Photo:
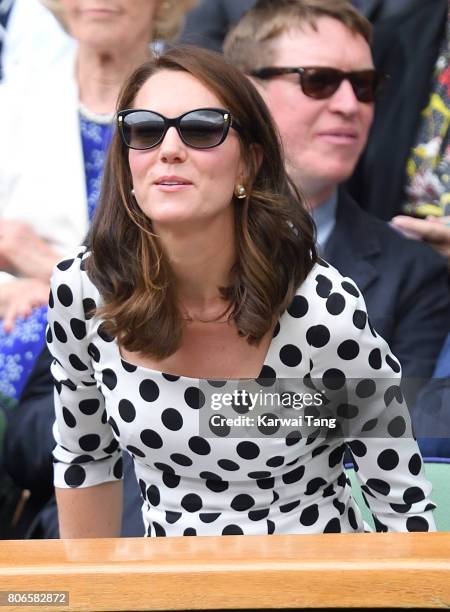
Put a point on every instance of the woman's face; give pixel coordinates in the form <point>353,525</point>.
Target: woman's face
<point>174,184</point>
<point>110,24</point>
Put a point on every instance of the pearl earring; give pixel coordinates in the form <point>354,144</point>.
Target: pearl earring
<point>240,192</point>
<point>133,193</point>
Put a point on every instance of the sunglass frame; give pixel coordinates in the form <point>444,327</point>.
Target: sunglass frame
<point>176,123</point>
<point>270,72</point>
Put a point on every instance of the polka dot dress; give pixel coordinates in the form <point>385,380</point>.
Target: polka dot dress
<point>196,483</point>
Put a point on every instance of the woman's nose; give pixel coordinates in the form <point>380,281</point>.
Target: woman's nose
<point>172,149</point>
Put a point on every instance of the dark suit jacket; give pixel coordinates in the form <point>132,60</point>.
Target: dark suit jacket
<point>404,283</point>
<point>208,24</point>
<point>375,10</point>
<point>406,47</point>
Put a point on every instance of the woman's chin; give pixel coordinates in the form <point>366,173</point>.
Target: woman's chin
<point>176,220</point>
<point>183,222</point>
<point>174,215</point>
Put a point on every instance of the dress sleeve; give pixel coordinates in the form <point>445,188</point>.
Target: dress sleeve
<point>86,451</point>
<point>360,378</point>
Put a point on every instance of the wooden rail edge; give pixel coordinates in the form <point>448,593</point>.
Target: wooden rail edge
<point>235,572</point>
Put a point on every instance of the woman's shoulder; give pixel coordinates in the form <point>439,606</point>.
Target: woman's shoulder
<point>70,280</point>
<point>74,262</point>
<point>337,328</point>
<point>325,284</point>
<point>329,305</point>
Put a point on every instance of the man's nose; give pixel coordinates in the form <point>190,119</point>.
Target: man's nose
<point>344,99</point>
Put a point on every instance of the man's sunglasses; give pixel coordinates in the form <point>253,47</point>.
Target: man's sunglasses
<point>322,82</point>
<point>202,128</point>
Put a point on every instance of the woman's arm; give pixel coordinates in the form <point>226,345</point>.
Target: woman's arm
<point>87,457</point>
<point>362,379</point>
<point>90,512</point>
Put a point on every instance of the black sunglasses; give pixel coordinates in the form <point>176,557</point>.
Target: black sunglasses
<point>202,128</point>
<point>321,82</point>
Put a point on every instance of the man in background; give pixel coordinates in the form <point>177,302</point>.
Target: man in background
<point>312,63</point>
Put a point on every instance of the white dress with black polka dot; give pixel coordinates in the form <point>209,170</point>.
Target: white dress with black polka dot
<point>196,483</point>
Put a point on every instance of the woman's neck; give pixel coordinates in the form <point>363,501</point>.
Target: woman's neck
<point>201,262</point>
<point>100,76</point>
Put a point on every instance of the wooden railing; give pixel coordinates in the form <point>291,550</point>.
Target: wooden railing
<point>233,572</point>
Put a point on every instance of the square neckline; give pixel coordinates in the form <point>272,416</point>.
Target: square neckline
<point>268,360</point>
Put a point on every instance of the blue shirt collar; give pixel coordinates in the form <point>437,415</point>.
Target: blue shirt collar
<point>324,217</point>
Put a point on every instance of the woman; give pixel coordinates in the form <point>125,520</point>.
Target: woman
<point>202,269</point>
<point>55,140</point>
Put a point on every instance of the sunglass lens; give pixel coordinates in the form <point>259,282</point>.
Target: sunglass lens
<point>203,129</point>
<point>143,129</point>
<point>320,83</point>
<point>365,85</point>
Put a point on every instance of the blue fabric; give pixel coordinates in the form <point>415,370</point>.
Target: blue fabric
<point>431,418</point>
<point>95,139</point>
<point>5,11</point>
<point>324,217</point>
<point>443,363</point>
<point>20,348</point>
<point>438,389</point>
<point>18,351</point>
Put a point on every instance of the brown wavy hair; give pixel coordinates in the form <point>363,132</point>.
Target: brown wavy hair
<point>274,231</point>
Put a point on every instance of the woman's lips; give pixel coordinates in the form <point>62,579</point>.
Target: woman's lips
<point>172,187</point>
<point>172,183</point>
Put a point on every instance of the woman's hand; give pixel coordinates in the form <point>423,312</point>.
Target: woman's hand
<point>23,252</point>
<point>19,297</point>
<point>434,230</point>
